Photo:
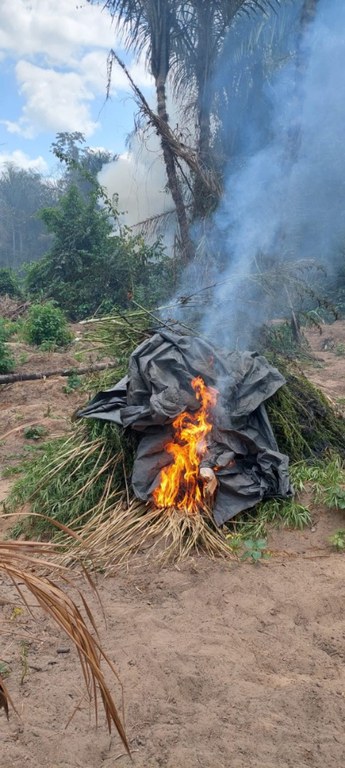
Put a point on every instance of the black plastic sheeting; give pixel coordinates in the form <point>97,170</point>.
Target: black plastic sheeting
<point>242,446</point>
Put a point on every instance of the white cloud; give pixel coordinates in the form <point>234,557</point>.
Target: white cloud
<point>55,101</point>
<point>56,29</point>
<point>23,161</point>
<point>61,49</point>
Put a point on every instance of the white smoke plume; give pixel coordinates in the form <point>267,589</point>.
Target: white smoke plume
<point>138,178</point>
<point>286,199</point>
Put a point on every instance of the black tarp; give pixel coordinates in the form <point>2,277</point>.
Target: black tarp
<point>242,445</point>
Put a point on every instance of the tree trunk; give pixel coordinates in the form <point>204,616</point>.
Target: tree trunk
<point>203,201</point>
<point>308,14</point>
<point>173,181</point>
<point>11,378</point>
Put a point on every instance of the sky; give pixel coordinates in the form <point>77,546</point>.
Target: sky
<point>53,69</point>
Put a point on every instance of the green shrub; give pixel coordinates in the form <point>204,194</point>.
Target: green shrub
<point>47,325</point>
<point>9,282</point>
<point>35,432</point>
<point>6,361</point>
<point>338,540</point>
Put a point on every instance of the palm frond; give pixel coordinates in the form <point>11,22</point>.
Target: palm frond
<point>19,562</point>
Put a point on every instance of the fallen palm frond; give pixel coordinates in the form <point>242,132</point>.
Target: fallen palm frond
<point>19,562</point>
<point>137,528</point>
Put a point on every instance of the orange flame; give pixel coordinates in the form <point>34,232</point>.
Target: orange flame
<point>179,486</point>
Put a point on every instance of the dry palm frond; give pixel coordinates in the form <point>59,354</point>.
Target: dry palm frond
<point>19,562</point>
<point>163,534</point>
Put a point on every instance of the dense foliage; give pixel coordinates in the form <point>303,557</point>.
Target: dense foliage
<point>90,268</point>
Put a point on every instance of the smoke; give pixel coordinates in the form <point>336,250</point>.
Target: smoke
<point>139,178</point>
<point>285,189</point>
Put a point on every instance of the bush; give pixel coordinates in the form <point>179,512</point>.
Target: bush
<point>9,283</point>
<point>47,325</point>
<point>6,361</point>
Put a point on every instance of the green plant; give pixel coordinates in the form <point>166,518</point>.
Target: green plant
<point>9,328</point>
<point>7,363</point>
<point>5,331</point>
<point>235,542</point>
<point>326,479</point>
<point>338,540</point>
<point>304,422</point>
<point>35,433</point>
<point>91,269</point>
<point>280,339</point>
<point>73,382</point>
<point>79,356</point>
<point>4,669</point>
<point>47,323</point>
<point>287,513</point>
<point>340,350</point>
<point>255,549</point>
<point>9,283</point>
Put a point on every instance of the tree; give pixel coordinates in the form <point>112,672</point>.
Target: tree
<point>22,234</point>
<point>183,38</point>
<point>152,25</point>
<point>89,267</point>
<point>82,164</point>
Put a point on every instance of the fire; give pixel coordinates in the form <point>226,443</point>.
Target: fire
<point>179,482</point>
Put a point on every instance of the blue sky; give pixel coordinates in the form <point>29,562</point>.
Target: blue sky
<point>53,72</point>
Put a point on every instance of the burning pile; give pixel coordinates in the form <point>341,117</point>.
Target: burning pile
<point>183,489</point>
<point>204,432</point>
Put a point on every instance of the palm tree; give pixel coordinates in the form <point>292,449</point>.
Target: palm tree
<point>206,25</point>
<point>152,25</point>
<point>183,38</point>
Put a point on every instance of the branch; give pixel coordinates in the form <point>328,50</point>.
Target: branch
<point>189,155</point>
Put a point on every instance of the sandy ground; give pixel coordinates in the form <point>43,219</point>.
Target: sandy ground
<point>224,665</point>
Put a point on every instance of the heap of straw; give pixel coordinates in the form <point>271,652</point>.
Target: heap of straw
<point>161,535</point>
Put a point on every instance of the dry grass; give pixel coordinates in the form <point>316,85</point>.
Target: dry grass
<point>132,527</point>
<point>20,563</point>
